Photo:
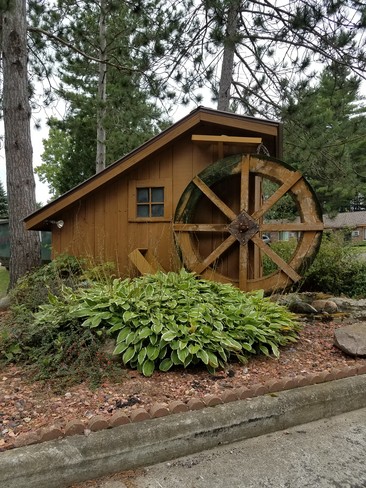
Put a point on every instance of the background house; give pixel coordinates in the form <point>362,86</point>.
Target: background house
<point>354,222</point>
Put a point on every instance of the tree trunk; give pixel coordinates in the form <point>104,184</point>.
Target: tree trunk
<point>102,90</point>
<point>24,245</point>
<point>228,57</point>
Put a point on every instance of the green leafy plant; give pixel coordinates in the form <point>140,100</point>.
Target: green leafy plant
<point>176,319</point>
<point>336,269</point>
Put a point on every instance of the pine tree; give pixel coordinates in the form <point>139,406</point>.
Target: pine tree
<point>325,137</point>
<point>266,48</point>
<point>4,213</point>
<point>24,246</point>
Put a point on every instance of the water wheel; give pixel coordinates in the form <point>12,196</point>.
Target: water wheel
<point>223,213</point>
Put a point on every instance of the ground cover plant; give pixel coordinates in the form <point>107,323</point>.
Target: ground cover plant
<point>157,322</point>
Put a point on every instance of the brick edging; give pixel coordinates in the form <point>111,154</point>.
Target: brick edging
<point>101,422</point>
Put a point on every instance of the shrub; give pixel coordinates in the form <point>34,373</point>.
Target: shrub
<point>171,319</point>
<point>61,347</point>
<point>336,269</point>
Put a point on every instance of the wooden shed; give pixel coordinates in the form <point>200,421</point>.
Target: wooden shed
<point>192,196</point>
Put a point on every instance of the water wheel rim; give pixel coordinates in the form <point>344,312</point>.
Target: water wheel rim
<point>289,181</point>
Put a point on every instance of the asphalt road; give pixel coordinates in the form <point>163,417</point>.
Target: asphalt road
<point>329,453</point>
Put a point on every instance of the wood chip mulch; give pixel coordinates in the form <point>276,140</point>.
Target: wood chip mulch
<point>27,407</point>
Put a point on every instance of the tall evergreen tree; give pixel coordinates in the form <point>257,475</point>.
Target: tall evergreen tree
<point>325,137</point>
<point>106,86</point>
<point>24,246</point>
<point>4,212</point>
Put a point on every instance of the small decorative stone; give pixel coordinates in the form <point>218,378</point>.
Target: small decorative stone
<point>361,369</point>
<point>301,307</point>
<point>244,392</point>
<point>51,433</point>
<point>212,400</point>
<point>259,389</point>
<point>327,306</point>
<point>302,381</point>
<point>178,407</point>
<point>158,410</point>
<point>27,439</point>
<point>139,415</point>
<point>274,385</point>
<point>74,427</point>
<point>230,396</point>
<point>98,423</point>
<point>119,418</point>
<point>195,404</point>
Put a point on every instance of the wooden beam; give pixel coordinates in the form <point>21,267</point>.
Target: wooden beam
<point>214,198</point>
<point>200,227</point>
<point>145,261</point>
<point>294,178</point>
<point>214,255</point>
<point>227,139</point>
<point>285,267</point>
<point>291,227</point>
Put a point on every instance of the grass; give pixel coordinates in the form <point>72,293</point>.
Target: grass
<point>4,281</point>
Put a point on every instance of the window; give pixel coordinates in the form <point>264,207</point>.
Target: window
<point>150,200</point>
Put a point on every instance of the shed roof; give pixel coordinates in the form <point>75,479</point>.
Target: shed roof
<point>345,219</point>
<point>200,115</point>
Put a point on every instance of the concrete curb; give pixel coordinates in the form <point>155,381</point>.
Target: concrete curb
<point>77,458</point>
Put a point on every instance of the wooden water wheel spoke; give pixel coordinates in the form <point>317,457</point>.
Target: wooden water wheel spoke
<point>291,227</point>
<point>200,228</point>
<point>241,258</point>
<point>243,267</point>
<point>214,198</point>
<point>244,183</point>
<point>285,267</point>
<point>277,195</point>
<point>215,254</point>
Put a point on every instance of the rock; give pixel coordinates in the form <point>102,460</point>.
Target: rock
<point>356,308</point>
<point>4,303</point>
<point>351,339</point>
<point>301,307</point>
<point>107,350</point>
<point>327,306</point>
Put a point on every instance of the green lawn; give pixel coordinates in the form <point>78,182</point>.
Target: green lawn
<point>4,281</point>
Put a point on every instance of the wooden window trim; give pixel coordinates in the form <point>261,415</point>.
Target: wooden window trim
<point>166,183</point>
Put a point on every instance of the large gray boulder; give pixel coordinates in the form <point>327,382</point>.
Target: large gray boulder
<point>352,339</point>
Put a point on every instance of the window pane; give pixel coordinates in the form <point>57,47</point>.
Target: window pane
<point>142,195</point>
<point>142,210</point>
<point>157,195</point>
<point>157,210</point>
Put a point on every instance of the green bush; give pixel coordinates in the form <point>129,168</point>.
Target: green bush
<point>284,249</point>
<point>336,269</point>
<point>60,348</point>
<point>33,288</point>
<point>166,320</point>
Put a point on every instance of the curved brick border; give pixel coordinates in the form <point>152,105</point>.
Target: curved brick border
<point>99,422</point>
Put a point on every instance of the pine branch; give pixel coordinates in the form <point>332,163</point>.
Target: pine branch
<point>65,43</point>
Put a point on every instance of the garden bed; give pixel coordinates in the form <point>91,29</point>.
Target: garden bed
<point>28,407</point>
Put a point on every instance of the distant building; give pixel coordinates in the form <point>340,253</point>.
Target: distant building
<point>355,222</point>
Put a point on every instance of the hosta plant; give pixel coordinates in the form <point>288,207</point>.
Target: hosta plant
<point>176,319</point>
